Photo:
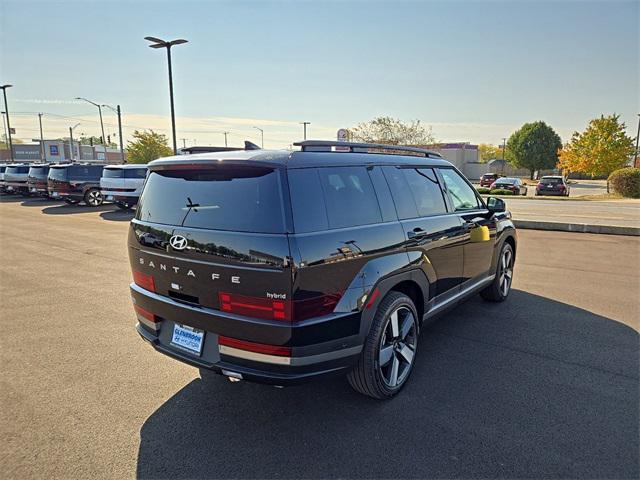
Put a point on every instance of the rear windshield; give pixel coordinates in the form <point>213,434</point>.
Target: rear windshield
<point>506,181</point>
<point>38,172</point>
<point>17,170</point>
<point>242,199</point>
<point>135,172</point>
<point>552,180</point>
<point>113,173</point>
<point>58,173</point>
<point>489,175</point>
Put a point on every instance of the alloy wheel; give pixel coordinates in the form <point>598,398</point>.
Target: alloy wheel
<point>506,271</point>
<point>397,347</point>
<point>95,198</point>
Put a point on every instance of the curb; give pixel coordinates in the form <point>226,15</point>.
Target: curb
<point>577,227</point>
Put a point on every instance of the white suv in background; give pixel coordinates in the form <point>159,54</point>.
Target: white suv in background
<point>123,184</point>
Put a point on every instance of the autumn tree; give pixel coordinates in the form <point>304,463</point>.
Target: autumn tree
<point>598,151</point>
<point>534,146</point>
<point>147,146</point>
<point>392,131</point>
<point>489,152</point>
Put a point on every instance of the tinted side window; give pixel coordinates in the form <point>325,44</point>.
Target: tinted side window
<point>402,198</point>
<point>112,173</point>
<point>135,173</point>
<point>462,194</point>
<point>307,201</point>
<point>426,192</point>
<point>349,197</point>
<point>383,193</point>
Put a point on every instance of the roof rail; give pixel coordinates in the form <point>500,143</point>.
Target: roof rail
<point>354,147</point>
<point>204,149</point>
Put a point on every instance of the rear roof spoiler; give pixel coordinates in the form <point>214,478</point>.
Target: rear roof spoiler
<point>353,147</point>
<point>204,149</point>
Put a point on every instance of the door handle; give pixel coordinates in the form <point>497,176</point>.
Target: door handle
<point>416,232</point>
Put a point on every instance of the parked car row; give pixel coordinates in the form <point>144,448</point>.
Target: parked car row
<point>76,182</point>
<point>547,185</point>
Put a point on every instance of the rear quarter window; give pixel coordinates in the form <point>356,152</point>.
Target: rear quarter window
<point>112,173</point>
<point>135,172</point>
<point>242,199</point>
<point>332,197</point>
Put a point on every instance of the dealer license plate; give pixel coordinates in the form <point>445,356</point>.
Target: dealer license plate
<point>188,338</point>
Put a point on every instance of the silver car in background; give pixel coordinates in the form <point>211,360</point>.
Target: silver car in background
<point>123,184</point>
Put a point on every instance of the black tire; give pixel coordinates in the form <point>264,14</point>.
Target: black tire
<point>71,201</point>
<point>498,291</point>
<point>93,197</point>
<point>124,205</point>
<point>371,378</point>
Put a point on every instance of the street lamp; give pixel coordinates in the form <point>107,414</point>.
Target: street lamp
<point>158,43</point>
<point>261,136</point>
<point>6,111</point>
<point>118,112</point>
<point>104,139</point>
<point>71,152</point>
<point>305,128</point>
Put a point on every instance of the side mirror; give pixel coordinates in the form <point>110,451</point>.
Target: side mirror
<point>496,205</point>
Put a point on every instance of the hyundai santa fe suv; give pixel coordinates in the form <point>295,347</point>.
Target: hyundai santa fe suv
<point>74,183</point>
<point>282,267</point>
<point>37,180</point>
<point>123,184</point>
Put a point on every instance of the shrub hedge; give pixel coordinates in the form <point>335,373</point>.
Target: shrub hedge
<point>501,191</point>
<point>626,182</point>
<point>483,190</point>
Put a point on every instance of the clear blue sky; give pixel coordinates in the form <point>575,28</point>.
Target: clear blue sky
<point>474,70</point>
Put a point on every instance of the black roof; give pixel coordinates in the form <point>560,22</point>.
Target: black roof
<point>364,154</point>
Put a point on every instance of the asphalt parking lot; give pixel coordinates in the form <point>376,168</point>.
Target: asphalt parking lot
<point>543,385</point>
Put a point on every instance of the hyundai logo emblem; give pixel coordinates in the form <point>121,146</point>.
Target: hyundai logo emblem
<point>178,242</point>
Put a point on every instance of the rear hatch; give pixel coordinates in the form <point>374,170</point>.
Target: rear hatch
<point>112,179</point>
<point>16,174</point>
<point>214,235</point>
<point>58,178</point>
<point>37,178</point>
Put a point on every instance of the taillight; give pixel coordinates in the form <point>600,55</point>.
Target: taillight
<point>253,347</point>
<point>146,317</point>
<point>144,280</point>
<point>285,310</point>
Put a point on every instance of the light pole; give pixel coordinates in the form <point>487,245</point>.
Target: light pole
<point>225,137</point>
<point>636,163</point>
<point>504,146</point>
<point>261,136</point>
<point>6,112</point>
<point>4,124</point>
<point>158,43</point>
<point>41,138</point>
<point>119,113</point>
<point>71,152</point>
<point>305,128</point>
<point>104,139</point>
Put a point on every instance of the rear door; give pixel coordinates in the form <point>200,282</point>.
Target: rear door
<point>214,236</point>
<point>112,179</point>
<point>429,228</point>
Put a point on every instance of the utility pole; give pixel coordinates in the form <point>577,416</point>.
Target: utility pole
<point>6,111</point>
<point>118,112</point>
<point>184,142</point>
<point>636,163</point>
<point>158,43</point>
<point>504,146</point>
<point>225,137</point>
<point>4,124</point>
<point>261,136</point>
<point>71,149</point>
<point>42,157</point>
<point>305,128</point>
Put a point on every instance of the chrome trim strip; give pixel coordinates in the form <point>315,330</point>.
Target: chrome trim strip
<point>439,306</point>
<point>294,361</point>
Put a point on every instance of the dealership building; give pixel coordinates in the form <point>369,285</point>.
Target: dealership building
<point>54,151</point>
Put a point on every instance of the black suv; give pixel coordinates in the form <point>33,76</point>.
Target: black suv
<point>37,180</point>
<point>281,267</point>
<point>75,183</point>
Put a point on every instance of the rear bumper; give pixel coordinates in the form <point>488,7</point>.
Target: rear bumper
<point>557,193</point>
<point>129,197</point>
<point>320,347</point>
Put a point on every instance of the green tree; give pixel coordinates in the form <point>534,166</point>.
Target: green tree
<point>147,146</point>
<point>534,147</point>
<point>392,131</point>
<point>600,150</point>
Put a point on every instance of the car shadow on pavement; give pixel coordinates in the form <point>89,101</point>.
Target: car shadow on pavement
<point>528,388</point>
<point>118,215</point>
<point>12,198</point>
<point>39,202</point>
<point>66,209</point>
